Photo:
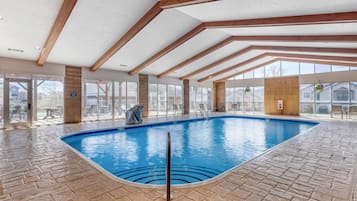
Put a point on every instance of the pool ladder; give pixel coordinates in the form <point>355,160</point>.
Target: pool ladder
<point>168,167</point>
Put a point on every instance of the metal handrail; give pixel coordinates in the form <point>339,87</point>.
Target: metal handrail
<point>168,168</point>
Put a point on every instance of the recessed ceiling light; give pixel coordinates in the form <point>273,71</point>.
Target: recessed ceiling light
<point>1,18</point>
<point>210,76</point>
<point>38,48</point>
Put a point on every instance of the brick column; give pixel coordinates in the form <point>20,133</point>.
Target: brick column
<point>73,95</point>
<point>219,90</point>
<point>186,97</point>
<point>144,93</point>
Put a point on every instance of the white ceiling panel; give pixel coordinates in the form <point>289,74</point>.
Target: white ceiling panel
<point>197,44</point>
<point>25,25</point>
<point>243,9</point>
<point>153,38</point>
<point>317,29</point>
<point>94,27</point>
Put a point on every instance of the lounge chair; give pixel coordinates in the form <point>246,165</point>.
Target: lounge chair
<point>234,107</point>
<point>337,109</point>
<point>352,110</point>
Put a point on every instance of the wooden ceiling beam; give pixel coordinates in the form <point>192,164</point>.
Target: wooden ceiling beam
<point>211,65</point>
<point>329,18</point>
<point>274,54</point>
<point>197,56</point>
<point>165,4</point>
<point>135,29</point>
<point>270,48</point>
<point>251,60</point>
<point>289,60</point>
<point>287,21</point>
<point>313,61</point>
<point>309,38</point>
<point>139,25</point>
<point>168,49</point>
<point>61,19</point>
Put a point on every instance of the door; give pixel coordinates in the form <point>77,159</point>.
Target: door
<point>18,104</point>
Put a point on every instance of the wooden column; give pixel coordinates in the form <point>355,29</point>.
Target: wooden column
<point>219,95</point>
<point>144,93</point>
<point>186,96</point>
<point>286,89</point>
<point>73,95</point>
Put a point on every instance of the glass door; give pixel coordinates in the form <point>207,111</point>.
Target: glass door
<point>18,103</point>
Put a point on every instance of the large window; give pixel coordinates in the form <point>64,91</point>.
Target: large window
<point>107,99</point>
<point>340,94</point>
<point>165,99</point>
<point>307,98</point>
<point>242,99</point>
<point>162,98</point>
<point>320,102</point>
<point>200,95</point>
<point>1,101</point>
<point>322,68</point>
<point>288,68</point>
<point>353,93</point>
<point>131,95</point>
<point>49,102</point>
<point>259,72</point>
<point>307,68</point>
<point>258,99</point>
<point>248,100</point>
<point>323,100</point>
<point>273,70</point>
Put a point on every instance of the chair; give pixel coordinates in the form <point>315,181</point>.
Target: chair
<point>352,109</point>
<point>337,109</point>
<point>221,107</point>
<point>234,107</point>
<point>175,108</point>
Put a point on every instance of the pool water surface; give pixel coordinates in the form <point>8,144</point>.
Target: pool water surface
<point>201,149</point>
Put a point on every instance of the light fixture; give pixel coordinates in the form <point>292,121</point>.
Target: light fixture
<point>210,76</point>
<point>2,18</point>
<point>247,90</point>
<point>15,50</point>
<point>38,48</point>
<point>319,87</point>
<point>123,65</point>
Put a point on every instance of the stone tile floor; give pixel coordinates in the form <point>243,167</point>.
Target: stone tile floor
<point>318,165</point>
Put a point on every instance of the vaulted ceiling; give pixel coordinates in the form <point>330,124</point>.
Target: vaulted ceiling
<point>196,41</point>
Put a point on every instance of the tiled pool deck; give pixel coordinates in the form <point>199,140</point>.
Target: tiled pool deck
<point>318,165</point>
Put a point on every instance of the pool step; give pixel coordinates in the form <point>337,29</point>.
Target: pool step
<point>179,174</point>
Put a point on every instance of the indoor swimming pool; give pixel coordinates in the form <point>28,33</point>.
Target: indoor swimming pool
<point>201,148</point>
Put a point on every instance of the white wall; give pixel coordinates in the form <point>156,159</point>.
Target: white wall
<point>341,76</point>
<point>201,84</point>
<point>17,66</point>
<point>103,74</point>
<point>166,80</point>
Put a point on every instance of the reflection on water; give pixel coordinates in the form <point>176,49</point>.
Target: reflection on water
<point>218,143</point>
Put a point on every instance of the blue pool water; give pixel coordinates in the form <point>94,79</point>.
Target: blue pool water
<point>201,149</point>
